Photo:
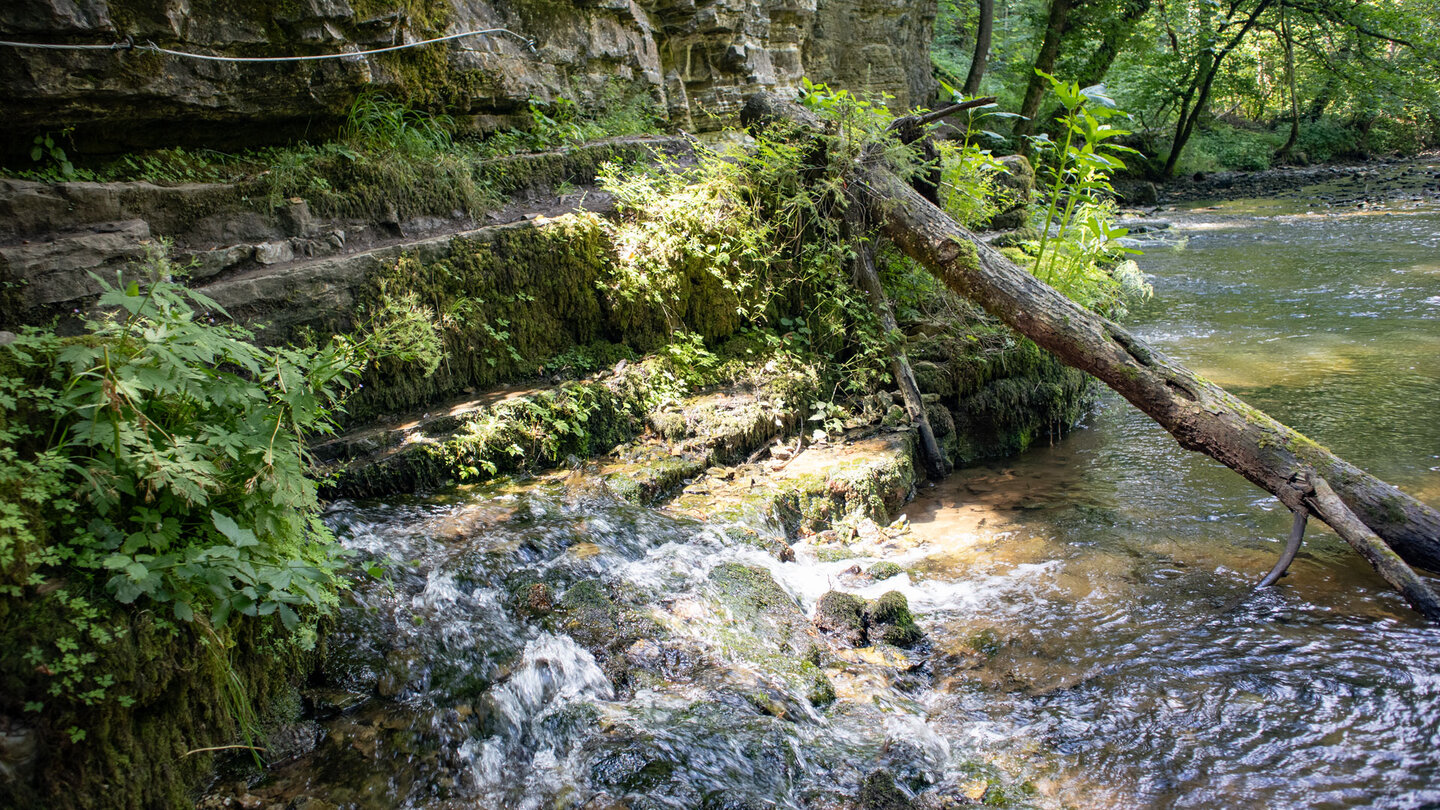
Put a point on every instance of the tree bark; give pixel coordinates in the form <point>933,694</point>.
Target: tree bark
<point>982,47</point>
<point>1114,32</point>
<point>1283,153</point>
<point>1333,511</point>
<point>1200,415</point>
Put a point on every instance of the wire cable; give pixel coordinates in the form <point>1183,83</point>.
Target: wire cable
<point>126,45</point>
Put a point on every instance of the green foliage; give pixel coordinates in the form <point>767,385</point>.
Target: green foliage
<point>160,458</point>
<point>622,110</point>
<point>382,125</point>
<point>1221,147</point>
<point>1078,206</point>
<point>52,163</point>
<point>970,192</point>
<point>1366,69</point>
<point>763,227</point>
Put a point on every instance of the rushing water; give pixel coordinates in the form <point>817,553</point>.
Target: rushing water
<point>1093,630</point>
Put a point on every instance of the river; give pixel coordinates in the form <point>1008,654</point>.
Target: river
<point>1132,666</point>
<point>1094,639</point>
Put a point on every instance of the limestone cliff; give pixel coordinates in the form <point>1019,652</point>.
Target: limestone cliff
<point>696,58</point>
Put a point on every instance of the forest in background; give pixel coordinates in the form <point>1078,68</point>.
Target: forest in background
<point>1236,84</point>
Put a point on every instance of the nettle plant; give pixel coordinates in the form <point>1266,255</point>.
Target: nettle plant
<point>1077,232</point>
<point>161,457</point>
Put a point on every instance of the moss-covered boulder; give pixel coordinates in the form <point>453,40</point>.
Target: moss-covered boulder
<point>842,616</point>
<point>884,570</point>
<point>879,792</point>
<point>889,621</point>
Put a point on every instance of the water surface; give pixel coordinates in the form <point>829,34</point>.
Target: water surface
<point>1124,657</point>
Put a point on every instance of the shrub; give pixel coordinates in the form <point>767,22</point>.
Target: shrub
<point>159,459</point>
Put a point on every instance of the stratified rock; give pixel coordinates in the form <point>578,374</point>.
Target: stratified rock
<point>696,61</point>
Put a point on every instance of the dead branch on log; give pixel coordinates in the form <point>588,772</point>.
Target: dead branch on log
<point>1200,415</point>
<point>1329,508</point>
<point>1292,547</point>
<point>933,459</point>
<point>909,126</point>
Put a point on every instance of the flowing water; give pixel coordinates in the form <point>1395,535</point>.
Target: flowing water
<point>1094,641</point>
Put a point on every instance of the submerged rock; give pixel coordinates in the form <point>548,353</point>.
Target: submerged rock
<point>885,570</point>
<point>878,792</point>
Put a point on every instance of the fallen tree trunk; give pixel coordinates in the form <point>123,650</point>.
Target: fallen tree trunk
<point>1200,415</point>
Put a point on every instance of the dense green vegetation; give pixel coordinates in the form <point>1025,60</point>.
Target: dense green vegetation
<point>155,490</point>
<point>1241,84</point>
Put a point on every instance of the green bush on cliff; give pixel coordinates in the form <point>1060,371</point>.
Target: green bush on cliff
<point>158,461</point>
<point>762,229</point>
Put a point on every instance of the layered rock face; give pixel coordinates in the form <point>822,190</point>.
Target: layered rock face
<point>696,59</point>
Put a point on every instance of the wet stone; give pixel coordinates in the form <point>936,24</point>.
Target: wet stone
<point>884,570</point>
<point>636,768</point>
<point>891,622</point>
<point>537,600</point>
<point>842,615</point>
<point>879,792</point>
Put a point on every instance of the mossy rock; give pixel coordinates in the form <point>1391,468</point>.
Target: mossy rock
<point>822,691</point>
<point>889,621</point>
<point>638,766</point>
<point>605,626</point>
<point>884,570</point>
<point>842,615</point>
<point>879,792</point>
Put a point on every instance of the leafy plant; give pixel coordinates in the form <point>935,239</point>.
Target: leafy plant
<point>52,164</point>
<point>1078,207</point>
<point>163,454</point>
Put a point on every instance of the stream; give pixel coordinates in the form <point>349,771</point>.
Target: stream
<point>1093,640</point>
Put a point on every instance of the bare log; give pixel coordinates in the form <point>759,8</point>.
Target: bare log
<point>1200,415</point>
<point>936,465</point>
<point>1292,547</point>
<point>1328,506</point>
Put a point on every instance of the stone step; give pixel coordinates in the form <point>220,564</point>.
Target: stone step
<point>55,272</point>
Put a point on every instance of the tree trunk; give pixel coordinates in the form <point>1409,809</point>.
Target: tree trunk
<point>1044,60</point>
<point>1199,414</point>
<point>1200,89</point>
<point>1283,153</point>
<point>982,47</point>
<point>1114,32</point>
<point>1115,28</point>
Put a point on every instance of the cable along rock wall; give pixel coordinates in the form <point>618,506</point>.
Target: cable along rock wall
<point>696,60</point>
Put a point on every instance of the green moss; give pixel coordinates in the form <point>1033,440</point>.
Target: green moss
<point>884,570</point>
<point>822,691</point>
<point>179,685</point>
<point>749,591</point>
<point>889,620</point>
<point>879,792</point>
